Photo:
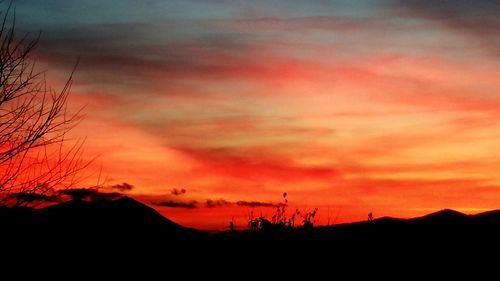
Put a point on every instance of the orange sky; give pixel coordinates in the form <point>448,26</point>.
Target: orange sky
<point>349,107</point>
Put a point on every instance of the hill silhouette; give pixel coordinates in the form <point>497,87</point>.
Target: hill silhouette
<point>111,224</point>
<point>90,225</point>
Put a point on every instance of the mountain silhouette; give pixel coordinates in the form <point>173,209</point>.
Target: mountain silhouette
<point>124,225</point>
<point>92,225</point>
<point>121,213</point>
<point>445,216</point>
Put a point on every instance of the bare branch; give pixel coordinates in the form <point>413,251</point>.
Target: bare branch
<point>35,156</point>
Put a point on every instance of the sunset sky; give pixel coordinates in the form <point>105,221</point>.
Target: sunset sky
<point>386,106</point>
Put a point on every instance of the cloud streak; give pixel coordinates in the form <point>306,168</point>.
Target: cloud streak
<point>209,203</point>
<point>251,165</point>
<point>89,194</point>
<point>177,192</point>
<point>123,187</point>
<point>178,204</point>
<point>254,204</point>
<point>477,19</point>
<point>165,201</point>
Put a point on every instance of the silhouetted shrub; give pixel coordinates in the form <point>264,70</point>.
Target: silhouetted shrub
<point>279,220</point>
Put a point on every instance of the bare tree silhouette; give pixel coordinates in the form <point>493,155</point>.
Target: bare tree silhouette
<point>35,155</point>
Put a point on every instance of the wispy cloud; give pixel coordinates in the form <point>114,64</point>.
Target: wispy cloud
<point>258,204</point>
<point>477,19</point>
<point>177,192</point>
<point>123,187</point>
<point>166,201</point>
<point>178,204</point>
<point>210,203</point>
<point>256,164</point>
<point>89,194</point>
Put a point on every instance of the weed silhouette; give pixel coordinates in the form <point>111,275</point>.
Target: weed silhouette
<point>280,220</point>
<point>370,216</point>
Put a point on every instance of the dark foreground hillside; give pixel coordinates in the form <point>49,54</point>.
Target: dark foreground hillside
<point>125,228</point>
